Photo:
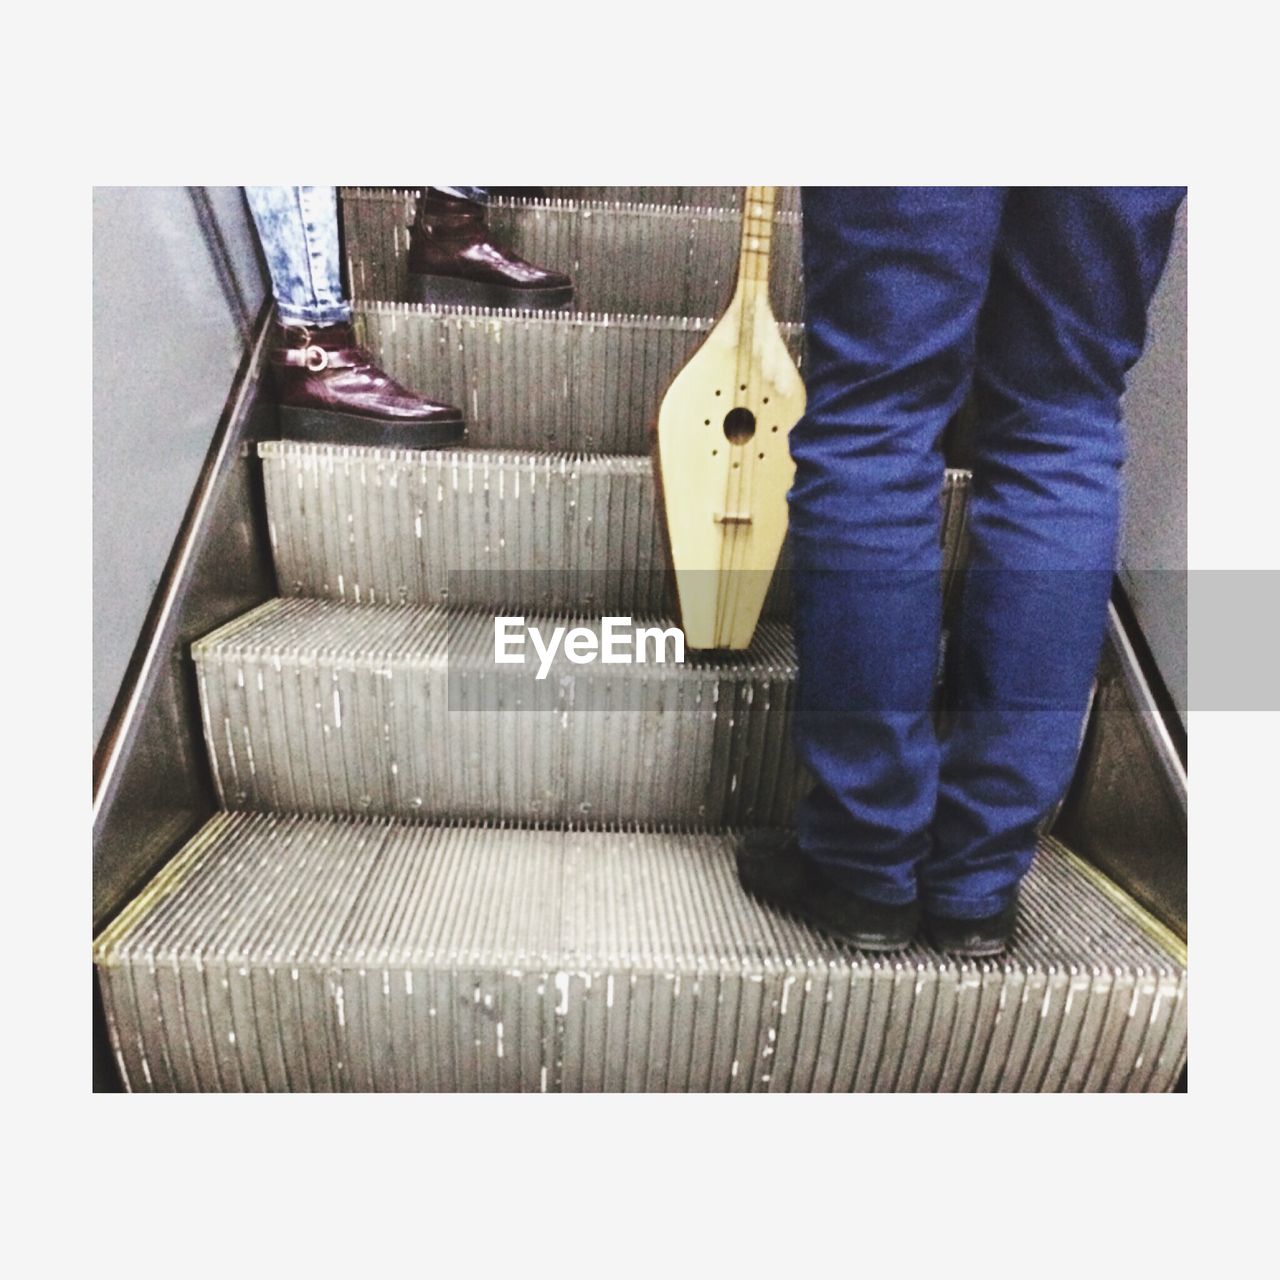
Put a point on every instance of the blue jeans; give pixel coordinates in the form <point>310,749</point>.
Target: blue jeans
<point>298,228</point>
<point>1037,299</point>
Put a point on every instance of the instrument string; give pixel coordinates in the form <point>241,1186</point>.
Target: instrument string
<point>728,529</point>
<point>746,332</point>
<point>729,542</point>
<point>756,255</point>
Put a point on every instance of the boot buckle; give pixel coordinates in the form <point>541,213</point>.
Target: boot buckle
<point>317,359</point>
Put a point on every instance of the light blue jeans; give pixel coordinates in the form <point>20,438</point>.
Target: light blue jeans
<point>298,227</point>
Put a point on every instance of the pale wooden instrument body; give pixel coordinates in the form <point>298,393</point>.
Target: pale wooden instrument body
<point>723,458</point>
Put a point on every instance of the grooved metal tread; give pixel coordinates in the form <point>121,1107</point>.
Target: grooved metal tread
<point>788,200</point>
<point>544,531</point>
<point>540,380</point>
<point>644,258</point>
<point>291,953</point>
<point>316,707</point>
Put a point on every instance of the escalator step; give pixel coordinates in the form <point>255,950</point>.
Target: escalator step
<point>542,531</point>
<point>316,707</point>
<point>292,953</point>
<point>544,381</point>
<point>629,258</point>
<point>550,381</point>
<point>788,199</point>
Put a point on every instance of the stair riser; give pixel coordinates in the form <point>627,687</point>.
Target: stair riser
<point>409,958</point>
<point>788,200</point>
<point>468,528</point>
<point>431,727</point>
<point>633,260</point>
<point>544,533</point>
<point>557,384</point>
<point>413,1029</point>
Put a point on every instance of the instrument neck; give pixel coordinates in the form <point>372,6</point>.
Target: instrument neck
<point>757,241</point>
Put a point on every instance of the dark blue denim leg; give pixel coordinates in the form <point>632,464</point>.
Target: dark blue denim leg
<point>894,281</point>
<point>298,228</point>
<point>1064,320</point>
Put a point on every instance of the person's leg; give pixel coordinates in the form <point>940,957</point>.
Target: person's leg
<point>894,280</point>
<point>1065,319</point>
<point>328,388</point>
<point>298,228</point>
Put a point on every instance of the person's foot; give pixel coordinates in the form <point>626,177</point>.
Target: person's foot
<point>330,391</point>
<point>453,261</point>
<point>983,936</point>
<point>772,869</point>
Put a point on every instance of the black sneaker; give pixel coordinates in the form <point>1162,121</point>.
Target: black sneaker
<point>984,936</point>
<point>773,870</point>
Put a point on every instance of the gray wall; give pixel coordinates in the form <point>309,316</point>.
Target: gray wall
<point>1154,553</point>
<point>176,283</point>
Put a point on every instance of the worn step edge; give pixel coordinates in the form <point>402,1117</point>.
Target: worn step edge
<point>221,974</point>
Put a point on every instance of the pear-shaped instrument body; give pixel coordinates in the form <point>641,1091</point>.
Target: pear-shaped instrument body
<point>723,456</point>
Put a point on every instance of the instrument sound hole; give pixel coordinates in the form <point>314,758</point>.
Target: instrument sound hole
<point>739,425</point>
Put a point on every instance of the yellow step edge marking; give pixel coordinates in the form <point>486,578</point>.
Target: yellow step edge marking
<point>166,881</point>
<point>1159,933</point>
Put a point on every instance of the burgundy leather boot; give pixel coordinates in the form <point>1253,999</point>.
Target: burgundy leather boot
<point>453,261</point>
<point>330,391</point>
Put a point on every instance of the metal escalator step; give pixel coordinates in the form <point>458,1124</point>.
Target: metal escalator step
<point>546,381</point>
<point>315,707</point>
<point>305,954</point>
<point>541,531</point>
<point>788,200</point>
<point>467,527</point>
<point>640,259</point>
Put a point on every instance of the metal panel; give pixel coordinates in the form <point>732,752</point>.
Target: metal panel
<point>152,785</point>
<point>1127,808</point>
<point>1154,545</point>
<point>319,955</point>
<point>626,258</point>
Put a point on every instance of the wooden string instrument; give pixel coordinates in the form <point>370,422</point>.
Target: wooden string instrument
<point>724,467</point>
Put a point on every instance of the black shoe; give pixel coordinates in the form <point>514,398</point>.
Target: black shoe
<point>985,936</point>
<point>772,869</point>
